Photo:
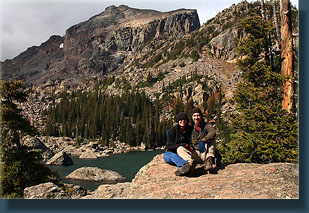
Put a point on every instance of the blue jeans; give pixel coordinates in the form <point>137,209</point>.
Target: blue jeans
<point>174,159</point>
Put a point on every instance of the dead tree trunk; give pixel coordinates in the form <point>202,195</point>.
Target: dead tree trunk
<point>287,54</point>
<point>276,22</point>
<point>268,39</point>
<point>263,10</point>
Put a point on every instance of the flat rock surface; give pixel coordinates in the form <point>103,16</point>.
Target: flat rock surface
<point>95,174</point>
<point>157,180</point>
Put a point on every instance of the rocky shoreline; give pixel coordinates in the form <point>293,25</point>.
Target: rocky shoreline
<point>57,150</point>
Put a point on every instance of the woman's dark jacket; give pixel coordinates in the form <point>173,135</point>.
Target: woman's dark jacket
<point>176,139</point>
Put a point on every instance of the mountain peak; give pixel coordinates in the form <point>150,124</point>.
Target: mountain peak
<point>102,44</point>
<point>124,14</point>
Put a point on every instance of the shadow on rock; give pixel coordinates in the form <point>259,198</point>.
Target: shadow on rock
<point>199,170</point>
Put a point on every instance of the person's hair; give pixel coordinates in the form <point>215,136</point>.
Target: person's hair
<point>181,116</point>
<point>196,110</point>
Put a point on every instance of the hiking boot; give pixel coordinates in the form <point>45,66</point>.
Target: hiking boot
<point>193,165</point>
<point>209,164</point>
<point>185,169</point>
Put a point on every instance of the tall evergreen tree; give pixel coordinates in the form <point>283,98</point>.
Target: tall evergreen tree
<point>262,131</point>
<point>19,166</point>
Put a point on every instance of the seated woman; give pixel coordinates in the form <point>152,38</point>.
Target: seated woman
<point>178,139</point>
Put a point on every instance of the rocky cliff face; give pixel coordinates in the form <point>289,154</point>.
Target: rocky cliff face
<point>225,30</point>
<point>224,45</point>
<point>108,41</point>
<point>98,46</point>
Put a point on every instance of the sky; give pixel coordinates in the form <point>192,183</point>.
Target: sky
<point>27,23</point>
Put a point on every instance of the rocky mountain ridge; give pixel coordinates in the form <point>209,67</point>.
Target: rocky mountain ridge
<point>123,39</point>
<point>98,46</point>
<point>88,51</point>
<point>34,63</point>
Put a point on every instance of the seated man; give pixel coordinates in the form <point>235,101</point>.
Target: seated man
<point>203,140</point>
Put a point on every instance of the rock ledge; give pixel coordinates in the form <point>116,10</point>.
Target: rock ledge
<point>157,180</point>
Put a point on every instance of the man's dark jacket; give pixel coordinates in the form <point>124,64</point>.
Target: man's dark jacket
<point>176,139</point>
<point>206,133</point>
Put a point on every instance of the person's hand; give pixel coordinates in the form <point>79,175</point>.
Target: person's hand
<point>201,147</point>
<point>189,147</point>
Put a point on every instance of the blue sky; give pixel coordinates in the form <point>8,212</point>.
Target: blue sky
<point>26,23</point>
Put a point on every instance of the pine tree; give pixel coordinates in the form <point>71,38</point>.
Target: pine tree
<point>122,133</point>
<point>130,139</point>
<point>19,165</point>
<point>262,131</point>
<point>178,105</point>
<point>138,130</point>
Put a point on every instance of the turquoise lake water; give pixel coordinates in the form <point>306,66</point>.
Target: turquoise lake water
<point>127,165</point>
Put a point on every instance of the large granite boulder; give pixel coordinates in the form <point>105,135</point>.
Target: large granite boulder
<point>61,158</point>
<point>108,191</point>
<point>52,191</point>
<point>96,174</point>
<point>45,191</point>
<point>88,154</point>
<point>157,180</point>
<point>36,144</point>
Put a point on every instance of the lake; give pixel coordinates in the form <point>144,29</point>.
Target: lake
<point>127,165</point>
